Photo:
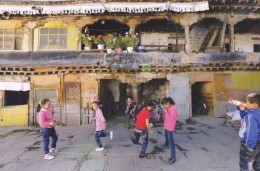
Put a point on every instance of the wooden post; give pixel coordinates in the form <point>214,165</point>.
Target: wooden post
<point>187,39</point>
<point>231,38</point>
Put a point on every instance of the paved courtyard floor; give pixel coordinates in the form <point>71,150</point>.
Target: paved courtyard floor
<point>205,145</point>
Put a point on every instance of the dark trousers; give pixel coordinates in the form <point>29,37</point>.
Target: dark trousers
<point>144,135</point>
<point>169,140</point>
<point>245,163</point>
<point>46,134</point>
<point>99,134</point>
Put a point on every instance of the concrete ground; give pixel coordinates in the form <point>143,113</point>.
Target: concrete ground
<point>208,145</point>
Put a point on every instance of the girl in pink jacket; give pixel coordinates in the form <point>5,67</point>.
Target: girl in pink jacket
<point>170,120</point>
<point>47,124</point>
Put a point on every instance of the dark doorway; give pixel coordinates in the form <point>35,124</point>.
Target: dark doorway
<point>13,98</point>
<point>202,98</point>
<point>256,47</point>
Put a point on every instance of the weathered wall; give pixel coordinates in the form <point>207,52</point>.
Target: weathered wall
<point>197,36</point>
<point>180,92</point>
<point>14,115</point>
<point>244,42</point>
<point>1,98</point>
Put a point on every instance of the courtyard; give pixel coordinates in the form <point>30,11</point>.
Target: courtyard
<point>202,144</point>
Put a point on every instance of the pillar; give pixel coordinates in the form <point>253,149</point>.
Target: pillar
<point>180,91</point>
<point>231,38</point>
<point>135,92</point>
<point>187,39</point>
<point>31,26</point>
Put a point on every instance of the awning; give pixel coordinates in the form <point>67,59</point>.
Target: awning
<point>16,9</point>
<point>99,8</point>
<point>15,86</point>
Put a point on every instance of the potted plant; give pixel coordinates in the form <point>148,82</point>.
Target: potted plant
<point>99,41</point>
<point>109,41</point>
<point>87,41</point>
<point>130,41</point>
<point>119,44</point>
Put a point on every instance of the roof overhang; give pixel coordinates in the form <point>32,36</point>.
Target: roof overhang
<point>99,8</point>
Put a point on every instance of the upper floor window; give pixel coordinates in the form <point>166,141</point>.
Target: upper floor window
<point>11,38</point>
<point>7,38</point>
<point>53,38</point>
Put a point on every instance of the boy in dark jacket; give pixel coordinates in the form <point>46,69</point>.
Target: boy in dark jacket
<point>250,133</point>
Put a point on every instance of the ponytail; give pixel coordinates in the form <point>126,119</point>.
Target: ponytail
<point>41,103</point>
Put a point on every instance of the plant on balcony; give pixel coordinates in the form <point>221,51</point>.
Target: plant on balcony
<point>87,40</point>
<point>109,42</point>
<point>130,41</point>
<point>99,41</point>
<point>119,44</point>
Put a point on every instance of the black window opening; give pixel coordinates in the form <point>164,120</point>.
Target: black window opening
<point>256,47</point>
<point>13,98</point>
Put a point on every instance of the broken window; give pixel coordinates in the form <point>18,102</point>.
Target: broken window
<point>53,38</point>
<point>12,98</point>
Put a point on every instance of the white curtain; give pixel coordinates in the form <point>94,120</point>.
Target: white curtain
<point>15,86</point>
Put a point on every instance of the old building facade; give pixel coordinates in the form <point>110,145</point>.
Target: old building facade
<point>207,50</point>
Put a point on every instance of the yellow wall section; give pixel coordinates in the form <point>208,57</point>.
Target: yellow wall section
<point>14,115</point>
<point>73,34</point>
<point>246,81</point>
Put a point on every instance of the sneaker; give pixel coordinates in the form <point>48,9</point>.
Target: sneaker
<point>99,149</point>
<point>48,157</point>
<point>111,135</point>
<point>53,150</point>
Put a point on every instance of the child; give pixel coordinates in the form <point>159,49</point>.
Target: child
<point>142,124</point>
<point>100,126</point>
<point>170,120</point>
<point>130,109</point>
<point>250,133</point>
<point>47,124</point>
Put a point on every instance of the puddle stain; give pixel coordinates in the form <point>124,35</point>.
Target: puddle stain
<point>34,146</point>
<point>192,132</point>
<point>125,146</point>
<point>70,136</point>
<point>182,150</point>
<point>191,128</point>
<point>159,132</point>
<point>18,131</point>
<point>204,133</point>
<point>156,150</point>
<point>191,121</point>
<point>189,137</point>
<point>153,140</point>
<point>204,149</point>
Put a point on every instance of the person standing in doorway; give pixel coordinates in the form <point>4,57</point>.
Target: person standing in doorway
<point>170,115</point>
<point>47,124</point>
<point>100,126</point>
<point>141,127</point>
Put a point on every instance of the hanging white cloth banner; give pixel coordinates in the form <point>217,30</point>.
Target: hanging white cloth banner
<point>16,9</point>
<point>189,7</point>
<point>99,8</point>
<point>15,86</point>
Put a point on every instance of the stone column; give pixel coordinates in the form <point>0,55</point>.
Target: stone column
<point>231,37</point>
<point>180,91</point>
<point>187,39</point>
<point>31,26</point>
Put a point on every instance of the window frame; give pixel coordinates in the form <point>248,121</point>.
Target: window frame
<point>14,38</point>
<point>39,38</point>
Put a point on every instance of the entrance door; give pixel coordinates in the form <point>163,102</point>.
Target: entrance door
<point>72,101</point>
